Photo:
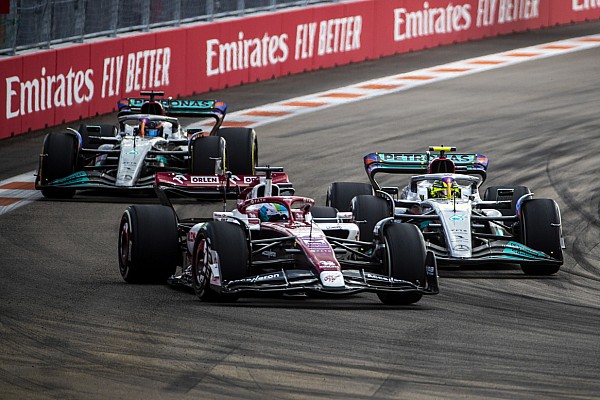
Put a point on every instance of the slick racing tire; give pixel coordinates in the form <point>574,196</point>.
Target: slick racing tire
<point>241,146</point>
<point>106,130</point>
<point>224,245</point>
<point>323,212</point>
<point>340,194</point>
<point>367,211</point>
<point>149,247</point>
<point>404,259</point>
<point>540,230</point>
<point>59,161</point>
<point>491,194</point>
<point>206,151</point>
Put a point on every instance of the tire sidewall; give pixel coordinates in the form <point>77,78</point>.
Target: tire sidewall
<point>340,194</point>
<point>60,155</point>
<point>202,150</point>
<point>404,259</point>
<point>126,240</point>
<point>232,253</point>
<point>153,246</point>
<point>539,221</point>
<point>368,210</point>
<point>241,146</point>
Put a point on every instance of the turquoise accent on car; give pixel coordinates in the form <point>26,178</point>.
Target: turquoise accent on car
<point>73,179</point>
<point>523,251</point>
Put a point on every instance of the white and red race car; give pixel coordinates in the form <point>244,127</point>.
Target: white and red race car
<point>272,242</point>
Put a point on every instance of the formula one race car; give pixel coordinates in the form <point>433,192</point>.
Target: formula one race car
<point>148,139</point>
<point>507,226</point>
<point>273,242</point>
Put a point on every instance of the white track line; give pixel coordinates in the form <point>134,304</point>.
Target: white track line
<point>17,191</point>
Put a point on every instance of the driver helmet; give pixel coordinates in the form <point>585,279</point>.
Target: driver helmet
<point>445,188</point>
<point>271,212</point>
<point>150,128</point>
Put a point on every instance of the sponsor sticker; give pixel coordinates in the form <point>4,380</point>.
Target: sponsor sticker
<point>204,179</point>
<point>326,264</point>
<point>332,278</point>
<point>269,253</point>
<point>457,217</point>
<point>179,178</point>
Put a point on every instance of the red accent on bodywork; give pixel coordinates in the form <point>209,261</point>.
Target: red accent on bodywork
<point>311,240</point>
<point>173,179</point>
<point>287,202</point>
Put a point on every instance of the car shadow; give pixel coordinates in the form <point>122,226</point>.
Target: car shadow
<point>487,271</point>
<point>123,197</point>
<point>361,301</point>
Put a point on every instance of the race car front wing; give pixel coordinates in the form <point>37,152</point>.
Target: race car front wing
<point>295,280</point>
<point>97,180</point>
<point>499,251</point>
<point>355,281</point>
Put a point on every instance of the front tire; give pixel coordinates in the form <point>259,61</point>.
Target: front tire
<point>405,260</point>
<point>60,151</point>
<point>541,230</point>
<point>224,245</point>
<point>149,247</point>
<point>242,150</point>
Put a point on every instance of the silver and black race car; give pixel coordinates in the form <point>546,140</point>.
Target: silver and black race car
<point>148,138</point>
<point>271,243</point>
<point>507,225</point>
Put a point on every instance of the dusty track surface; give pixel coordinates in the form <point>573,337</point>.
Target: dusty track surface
<point>71,328</point>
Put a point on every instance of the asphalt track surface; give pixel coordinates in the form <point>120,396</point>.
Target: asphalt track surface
<point>71,328</point>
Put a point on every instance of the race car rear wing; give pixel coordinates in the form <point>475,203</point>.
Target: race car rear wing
<point>195,108</point>
<point>215,186</point>
<point>418,163</point>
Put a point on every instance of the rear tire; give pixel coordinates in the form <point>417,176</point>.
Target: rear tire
<point>60,160</point>
<point>204,151</point>
<point>323,212</point>
<point>149,248</point>
<point>491,194</point>
<point>221,242</point>
<point>367,211</point>
<point>540,230</point>
<point>242,150</point>
<point>405,260</point>
<point>340,194</point>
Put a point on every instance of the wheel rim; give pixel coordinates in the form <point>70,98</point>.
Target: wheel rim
<point>124,248</point>
<point>201,265</point>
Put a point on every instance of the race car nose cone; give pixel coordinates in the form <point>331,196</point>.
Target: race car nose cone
<point>332,279</point>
